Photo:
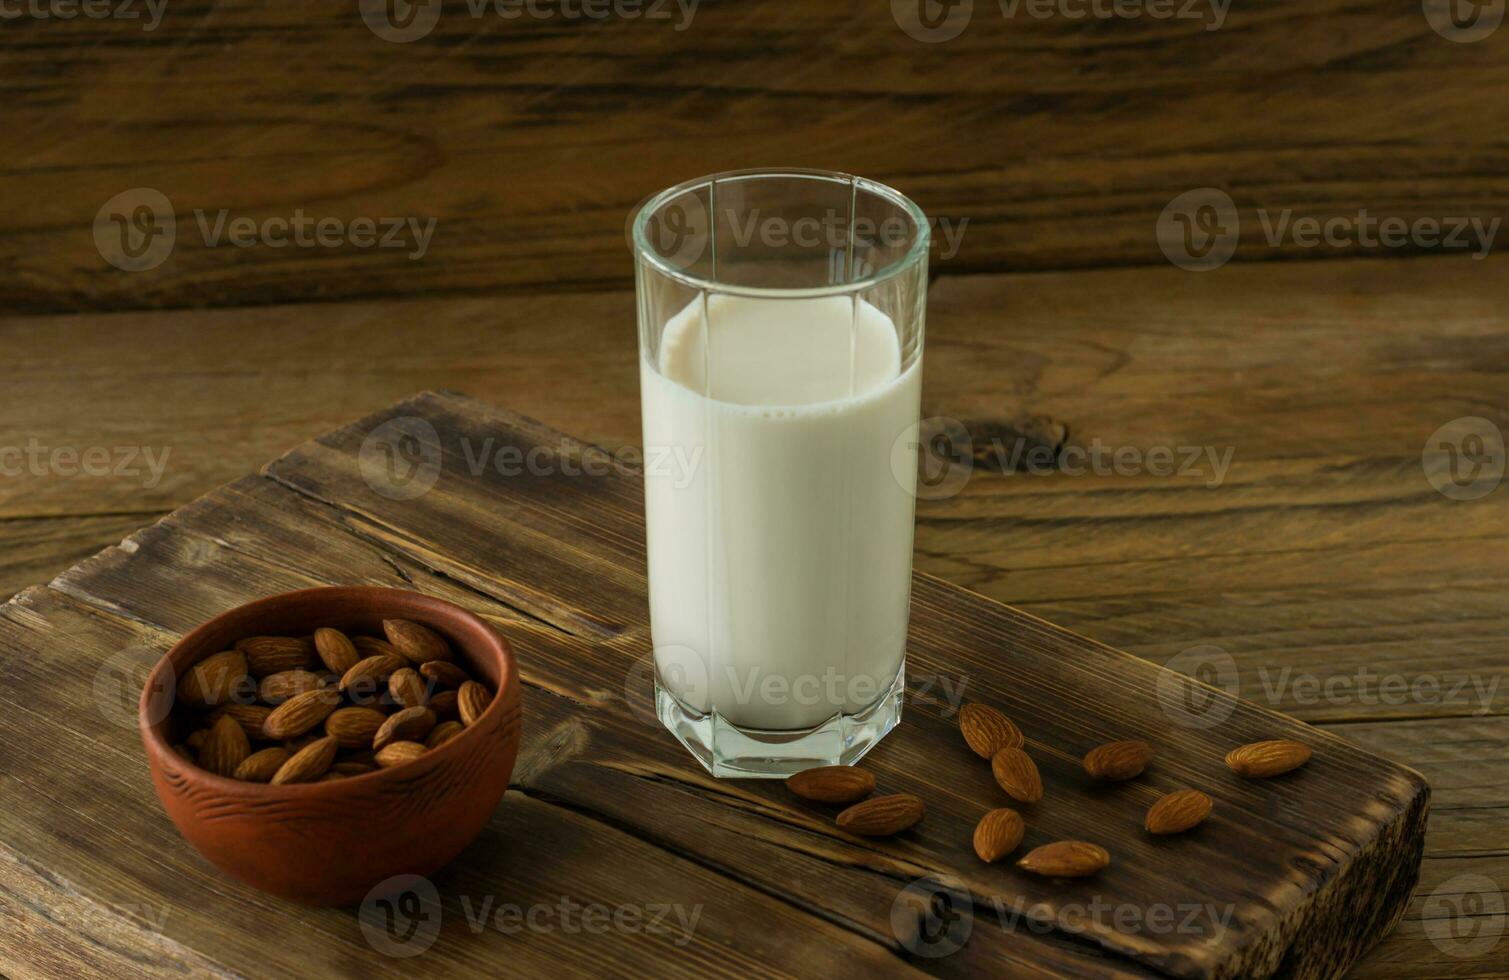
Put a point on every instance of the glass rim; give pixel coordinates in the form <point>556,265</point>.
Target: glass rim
<point>643,252</point>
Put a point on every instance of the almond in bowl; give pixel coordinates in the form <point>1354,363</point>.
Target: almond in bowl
<point>268,757</point>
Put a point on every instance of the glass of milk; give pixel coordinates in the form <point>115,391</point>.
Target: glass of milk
<point>780,340</point>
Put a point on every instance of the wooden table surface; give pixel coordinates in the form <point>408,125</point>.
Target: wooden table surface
<point>1321,574</point>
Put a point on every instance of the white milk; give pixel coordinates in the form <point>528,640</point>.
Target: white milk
<point>780,539</point>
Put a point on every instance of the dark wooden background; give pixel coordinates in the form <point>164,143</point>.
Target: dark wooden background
<point>1058,141</point>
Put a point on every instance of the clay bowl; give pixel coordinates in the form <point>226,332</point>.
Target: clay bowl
<point>330,843</point>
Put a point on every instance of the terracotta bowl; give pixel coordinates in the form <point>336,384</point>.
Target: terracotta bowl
<point>329,843</point>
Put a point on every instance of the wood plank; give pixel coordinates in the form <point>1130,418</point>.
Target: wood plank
<point>529,139</point>
<point>1367,821</point>
<point>36,549</point>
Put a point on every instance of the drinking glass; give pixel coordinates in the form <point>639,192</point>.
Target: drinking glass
<point>780,338</point>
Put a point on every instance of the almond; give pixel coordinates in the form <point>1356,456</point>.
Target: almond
<point>1177,812</point>
<point>444,732</point>
<point>214,679</point>
<point>300,713</point>
<point>224,748</point>
<point>1065,859</point>
<point>471,700</point>
<point>1017,774</point>
<point>271,654</point>
<point>260,767</point>
<point>417,644</point>
<point>251,717</point>
<point>998,833</point>
<point>407,688</point>
<point>399,753</point>
<point>353,768</point>
<point>308,764</point>
<point>1259,760</point>
<point>832,784</point>
<point>444,673</point>
<point>446,704</point>
<point>335,650</point>
<point>196,739</point>
<point>279,687</point>
<point>371,646</point>
<point>370,672</point>
<point>1118,760</point>
<point>883,816</point>
<point>408,725</point>
<point>987,730</point>
<point>354,728</point>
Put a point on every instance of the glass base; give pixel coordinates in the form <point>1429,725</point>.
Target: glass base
<point>730,752</point>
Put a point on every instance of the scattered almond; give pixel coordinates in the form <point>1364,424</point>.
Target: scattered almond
<point>471,700</point>
<point>998,833</point>
<point>224,748</point>
<point>309,763</point>
<point>987,730</point>
<point>398,753</point>
<point>335,649</point>
<point>1118,760</point>
<point>1259,760</point>
<point>832,784</point>
<point>1177,812</point>
<point>354,728</point>
<point>417,644</point>
<point>408,725</point>
<point>883,816</point>
<point>1065,859</point>
<point>300,713</point>
<point>260,767</point>
<point>1017,774</point>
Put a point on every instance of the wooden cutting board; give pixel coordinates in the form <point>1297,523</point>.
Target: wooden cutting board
<point>689,876</point>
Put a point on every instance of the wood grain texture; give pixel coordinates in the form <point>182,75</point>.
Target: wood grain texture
<point>529,139</point>
<point>1308,857</point>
